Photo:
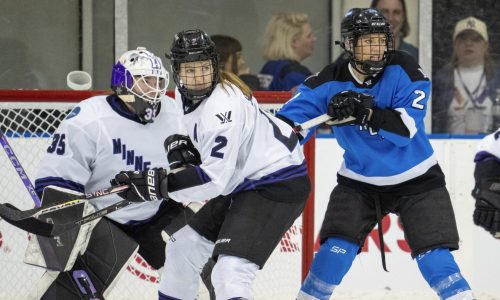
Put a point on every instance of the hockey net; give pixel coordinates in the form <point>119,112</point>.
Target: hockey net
<point>29,118</point>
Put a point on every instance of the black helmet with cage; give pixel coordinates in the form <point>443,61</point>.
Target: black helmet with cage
<point>193,46</point>
<point>358,22</point>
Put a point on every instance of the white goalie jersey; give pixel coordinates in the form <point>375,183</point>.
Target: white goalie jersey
<point>98,139</point>
<point>241,146</point>
<point>489,146</point>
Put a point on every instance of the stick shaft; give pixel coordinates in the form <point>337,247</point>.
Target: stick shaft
<point>19,168</point>
<point>16,215</point>
<point>320,120</point>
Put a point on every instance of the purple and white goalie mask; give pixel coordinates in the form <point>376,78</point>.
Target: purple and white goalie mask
<point>140,80</point>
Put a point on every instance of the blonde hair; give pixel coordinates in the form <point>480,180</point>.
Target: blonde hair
<point>280,32</point>
<point>225,77</point>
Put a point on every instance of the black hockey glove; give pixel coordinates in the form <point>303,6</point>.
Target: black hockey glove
<point>350,103</point>
<point>487,211</point>
<point>181,151</point>
<point>150,185</point>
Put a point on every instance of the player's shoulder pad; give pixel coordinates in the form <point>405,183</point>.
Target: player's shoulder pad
<point>223,105</point>
<point>337,71</point>
<point>87,110</point>
<point>409,66</point>
<point>171,105</point>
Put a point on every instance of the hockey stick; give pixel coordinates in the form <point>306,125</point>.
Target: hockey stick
<point>10,212</point>
<point>41,228</point>
<point>20,171</point>
<point>320,120</point>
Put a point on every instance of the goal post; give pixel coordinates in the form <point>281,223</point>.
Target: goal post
<point>28,119</point>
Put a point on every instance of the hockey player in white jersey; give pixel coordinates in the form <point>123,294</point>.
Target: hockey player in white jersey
<point>252,168</point>
<point>101,136</point>
<point>487,188</point>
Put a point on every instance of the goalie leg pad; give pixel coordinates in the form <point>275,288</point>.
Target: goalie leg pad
<point>331,263</point>
<point>439,269</point>
<point>108,254</point>
<point>185,255</point>
<point>59,253</point>
<point>232,277</point>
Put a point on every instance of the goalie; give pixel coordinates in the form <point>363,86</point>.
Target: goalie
<point>100,137</point>
<point>487,188</point>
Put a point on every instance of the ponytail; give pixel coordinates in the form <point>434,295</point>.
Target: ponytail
<point>225,77</point>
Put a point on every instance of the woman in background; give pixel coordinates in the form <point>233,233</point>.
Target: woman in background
<point>288,40</point>
<point>395,12</point>
<point>231,60</point>
<point>465,89</point>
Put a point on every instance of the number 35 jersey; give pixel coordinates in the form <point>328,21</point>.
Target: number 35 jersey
<point>98,139</point>
<point>241,147</point>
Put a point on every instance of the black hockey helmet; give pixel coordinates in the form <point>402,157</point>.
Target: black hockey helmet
<point>362,21</point>
<point>191,46</point>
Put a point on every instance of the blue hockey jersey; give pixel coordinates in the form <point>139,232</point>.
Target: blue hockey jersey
<point>379,157</point>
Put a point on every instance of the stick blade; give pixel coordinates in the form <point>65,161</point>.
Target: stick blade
<point>31,225</point>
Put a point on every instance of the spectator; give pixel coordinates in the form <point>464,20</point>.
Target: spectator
<point>231,60</point>
<point>288,40</point>
<point>395,12</point>
<point>465,89</point>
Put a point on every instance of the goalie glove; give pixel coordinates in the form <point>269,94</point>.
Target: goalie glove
<point>150,185</point>
<point>351,103</point>
<point>181,151</point>
<point>487,210</point>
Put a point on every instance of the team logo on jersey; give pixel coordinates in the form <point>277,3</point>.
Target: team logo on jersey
<point>74,112</point>
<point>224,117</point>
<point>130,156</point>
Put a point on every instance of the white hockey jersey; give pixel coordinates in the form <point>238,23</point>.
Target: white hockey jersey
<point>489,147</point>
<point>241,146</point>
<point>98,139</point>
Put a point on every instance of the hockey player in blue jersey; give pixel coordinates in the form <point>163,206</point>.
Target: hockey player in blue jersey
<point>389,165</point>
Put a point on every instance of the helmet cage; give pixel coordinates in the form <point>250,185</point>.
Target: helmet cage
<point>193,46</point>
<point>131,81</point>
<point>359,23</point>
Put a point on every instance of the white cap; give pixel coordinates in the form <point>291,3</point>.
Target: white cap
<point>473,24</point>
<point>79,80</point>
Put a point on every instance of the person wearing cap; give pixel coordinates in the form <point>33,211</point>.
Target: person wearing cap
<point>465,89</point>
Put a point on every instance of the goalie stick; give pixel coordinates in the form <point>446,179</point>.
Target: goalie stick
<point>20,171</point>
<point>10,212</point>
<point>41,228</point>
<point>25,219</point>
<point>320,120</point>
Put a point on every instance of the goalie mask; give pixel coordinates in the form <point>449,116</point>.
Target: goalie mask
<point>195,65</point>
<point>367,39</point>
<point>139,79</point>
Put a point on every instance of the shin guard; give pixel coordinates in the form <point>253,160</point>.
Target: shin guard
<point>331,263</point>
<point>439,269</point>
